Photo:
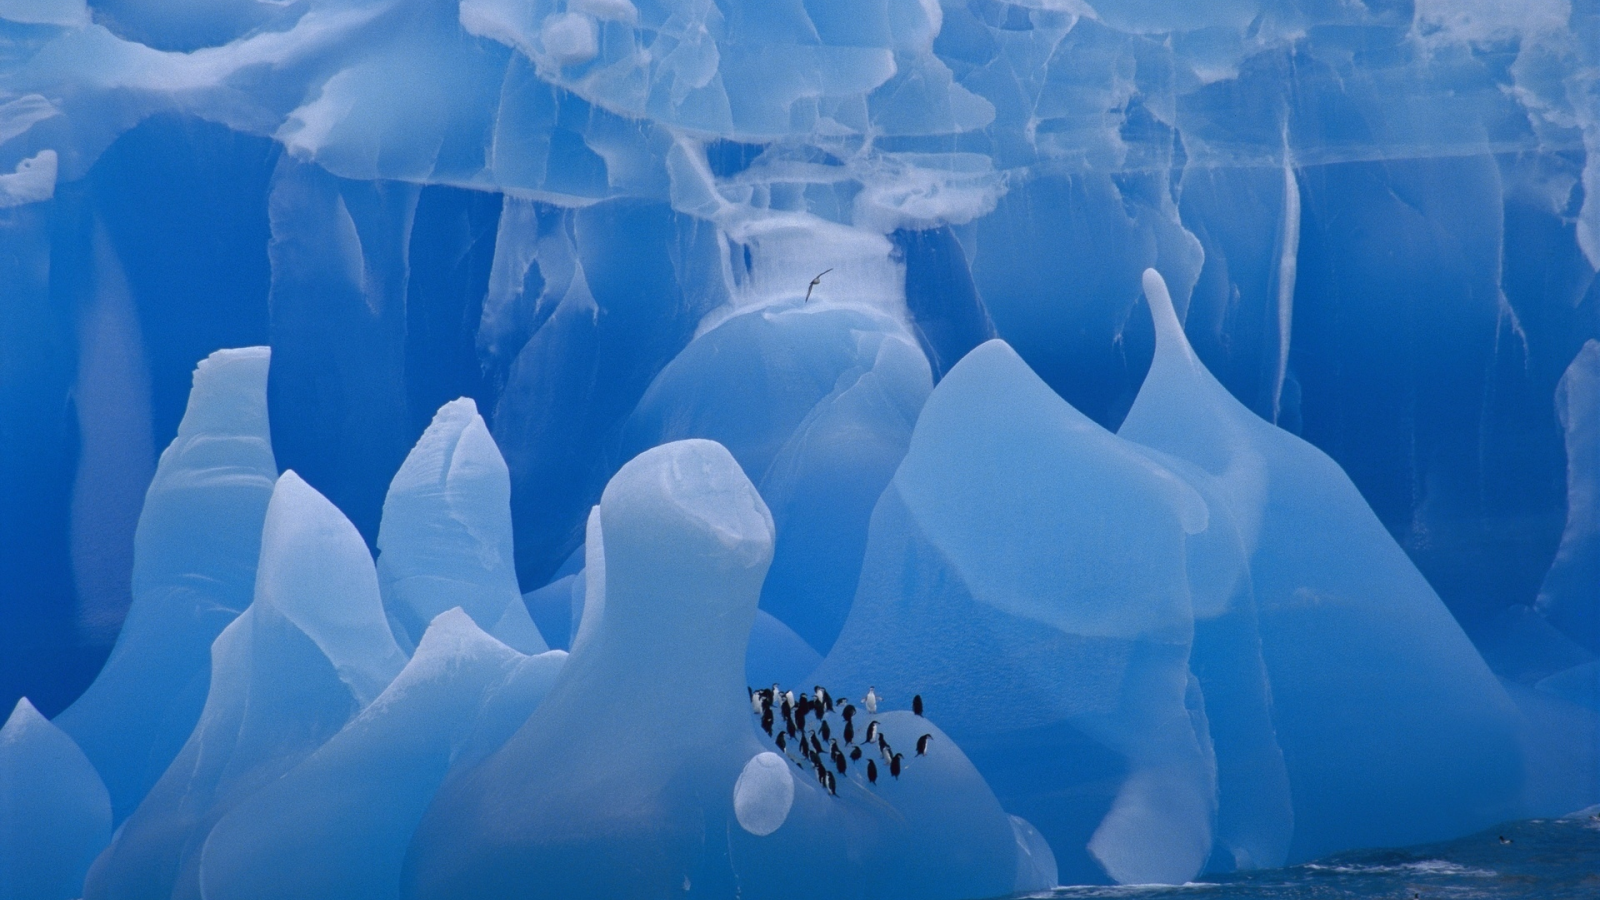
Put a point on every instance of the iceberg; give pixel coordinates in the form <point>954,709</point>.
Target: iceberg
<point>337,825</point>
<point>444,541</point>
<point>1056,552</point>
<point>816,400</point>
<point>687,540</point>
<point>55,814</point>
<point>1418,712</point>
<point>625,360</point>
<point>196,551</point>
<point>311,650</point>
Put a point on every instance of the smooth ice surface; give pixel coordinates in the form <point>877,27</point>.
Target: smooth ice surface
<point>1025,573</point>
<point>816,401</point>
<point>686,542</point>
<point>1393,728</point>
<point>763,794</point>
<point>195,555</point>
<point>649,712</point>
<point>1298,559</point>
<point>55,814</point>
<point>445,540</point>
<point>311,651</point>
<point>338,824</point>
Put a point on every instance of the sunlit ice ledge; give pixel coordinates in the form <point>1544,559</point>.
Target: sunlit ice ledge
<point>886,448</point>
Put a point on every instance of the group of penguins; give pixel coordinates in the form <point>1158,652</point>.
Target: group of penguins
<point>802,725</point>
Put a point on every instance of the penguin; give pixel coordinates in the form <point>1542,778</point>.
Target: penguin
<point>800,717</point>
<point>894,765</point>
<point>870,701</point>
<point>848,711</point>
<point>756,706</point>
<point>883,747</point>
<point>826,732</point>
<point>872,732</point>
<point>916,705</point>
<point>788,697</point>
<point>816,745</point>
<point>833,786</point>
<point>822,698</point>
<point>849,732</point>
<point>788,725</point>
<point>1504,839</point>
<point>766,722</point>
<point>840,764</point>
<point>855,754</point>
<point>922,744</point>
<point>872,772</point>
<point>783,743</point>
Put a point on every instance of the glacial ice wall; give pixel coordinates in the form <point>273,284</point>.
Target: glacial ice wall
<point>502,250</point>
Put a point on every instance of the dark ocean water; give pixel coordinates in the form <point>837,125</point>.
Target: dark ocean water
<point>1546,859</point>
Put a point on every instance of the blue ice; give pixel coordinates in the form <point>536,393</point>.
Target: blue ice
<point>604,362</point>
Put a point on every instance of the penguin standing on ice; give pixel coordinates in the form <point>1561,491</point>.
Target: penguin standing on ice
<point>894,765</point>
<point>922,744</point>
<point>855,754</point>
<point>872,772</point>
<point>870,701</point>
<point>872,732</point>
<point>848,711</point>
<point>826,732</point>
<point>849,732</point>
<point>916,704</point>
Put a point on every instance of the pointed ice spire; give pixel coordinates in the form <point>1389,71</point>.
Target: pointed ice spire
<point>194,570</point>
<point>312,650</point>
<point>445,541</point>
<point>55,815</point>
<point>1394,730</point>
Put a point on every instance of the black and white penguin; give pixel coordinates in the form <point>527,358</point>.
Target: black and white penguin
<point>848,711</point>
<point>922,744</point>
<point>870,701</point>
<point>849,732</point>
<point>855,754</point>
<point>781,741</point>
<point>1504,839</point>
<point>894,765</point>
<point>916,704</point>
<point>816,745</point>
<point>872,732</point>
<point>883,748</point>
<point>872,772</point>
<point>827,733</point>
<point>766,722</point>
<point>833,786</point>
<point>822,698</point>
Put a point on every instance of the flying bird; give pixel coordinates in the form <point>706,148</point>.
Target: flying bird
<point>814,282</point>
